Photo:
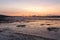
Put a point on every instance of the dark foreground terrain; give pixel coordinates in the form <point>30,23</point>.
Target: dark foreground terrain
<point>7,34</point>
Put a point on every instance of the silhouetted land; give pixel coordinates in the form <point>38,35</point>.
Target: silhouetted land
<point>5,18</point>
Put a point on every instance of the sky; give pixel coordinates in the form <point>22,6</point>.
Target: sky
<point>30,7</point>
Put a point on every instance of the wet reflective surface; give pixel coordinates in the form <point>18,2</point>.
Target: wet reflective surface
<point>37,28</point>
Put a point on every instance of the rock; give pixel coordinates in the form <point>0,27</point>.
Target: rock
<point>1,30</point>
<point>45,24</point>
<point>48,24</point>
<point>21,25</point>
<point>55,29</point>
<point>42,24</point>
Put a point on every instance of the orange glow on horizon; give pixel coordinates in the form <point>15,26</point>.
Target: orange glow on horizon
<point>31,11</point>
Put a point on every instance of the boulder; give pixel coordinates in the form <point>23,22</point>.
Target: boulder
<point>21,25</point>
<point>55,29</point>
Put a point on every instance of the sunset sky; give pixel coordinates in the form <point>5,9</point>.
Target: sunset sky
<point>30,7</point>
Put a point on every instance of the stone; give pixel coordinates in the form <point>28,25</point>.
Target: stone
<point>21,25</point>
<point>55,29</point>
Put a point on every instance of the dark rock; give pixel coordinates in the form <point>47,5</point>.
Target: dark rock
<point>21,25</point>
<point>55,29</point>
<point>1,30</point>
<point>48,24</point>
<point>42,24</point>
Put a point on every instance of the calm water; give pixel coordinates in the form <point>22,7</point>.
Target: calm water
<point>38,27</point>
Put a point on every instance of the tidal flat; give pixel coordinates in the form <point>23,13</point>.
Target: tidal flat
<point>31,30</point>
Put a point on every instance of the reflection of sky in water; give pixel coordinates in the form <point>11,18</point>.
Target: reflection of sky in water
<point>36,28</point>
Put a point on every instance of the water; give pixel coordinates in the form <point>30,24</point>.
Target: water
<point>38,28</point>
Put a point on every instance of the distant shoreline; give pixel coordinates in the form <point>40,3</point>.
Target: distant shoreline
<point>8,19</point>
